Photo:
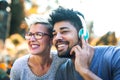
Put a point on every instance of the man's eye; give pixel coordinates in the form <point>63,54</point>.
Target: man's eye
<point>54,34</point>
<point>64,32</point>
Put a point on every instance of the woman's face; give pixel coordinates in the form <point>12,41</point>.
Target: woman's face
<point>39,46</point>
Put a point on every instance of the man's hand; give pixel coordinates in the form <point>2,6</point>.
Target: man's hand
<point>81,60</point>
<point>83,57</point>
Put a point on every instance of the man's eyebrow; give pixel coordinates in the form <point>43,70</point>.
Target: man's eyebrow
<point>61,28</point>
<point>64,28</point>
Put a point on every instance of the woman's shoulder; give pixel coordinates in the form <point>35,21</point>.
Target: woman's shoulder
<point>18,66</point>
<point>21,61</point>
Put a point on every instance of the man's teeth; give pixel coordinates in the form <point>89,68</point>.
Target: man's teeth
<point>61,45</point>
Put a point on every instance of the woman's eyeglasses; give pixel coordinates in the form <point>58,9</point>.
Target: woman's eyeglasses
<point>37,35</point>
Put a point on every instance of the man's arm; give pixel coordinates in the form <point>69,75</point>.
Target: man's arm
<point>88,75</point>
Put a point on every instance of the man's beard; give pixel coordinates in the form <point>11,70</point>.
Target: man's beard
<point>66,54</point>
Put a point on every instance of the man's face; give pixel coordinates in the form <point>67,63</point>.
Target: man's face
<point>65,36</point>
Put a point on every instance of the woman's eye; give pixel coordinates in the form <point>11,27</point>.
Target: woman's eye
<point>38,34</point>
<point>30,34</point>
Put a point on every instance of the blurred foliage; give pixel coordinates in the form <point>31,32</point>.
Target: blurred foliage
<point>17,16</point>
<point>16,39</point>
<point>108,39</point>
<point>4,20</point>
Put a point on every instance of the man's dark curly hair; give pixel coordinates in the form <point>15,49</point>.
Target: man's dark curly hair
<point>63,14</point>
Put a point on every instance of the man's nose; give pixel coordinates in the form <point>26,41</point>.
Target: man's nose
<point>58,36</point>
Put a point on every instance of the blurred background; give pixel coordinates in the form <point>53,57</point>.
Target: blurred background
<point>102,18</point>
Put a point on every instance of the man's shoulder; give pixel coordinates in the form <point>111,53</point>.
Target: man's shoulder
<point>55,57</point>
<point>67,65</point>
<point>107,50</point>
<point>108,54</point>
<point>66,71</point>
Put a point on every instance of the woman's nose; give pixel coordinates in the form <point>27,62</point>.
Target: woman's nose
<point>32,38</point>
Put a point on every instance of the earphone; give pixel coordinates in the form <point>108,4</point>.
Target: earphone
<point>83,32</point>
